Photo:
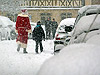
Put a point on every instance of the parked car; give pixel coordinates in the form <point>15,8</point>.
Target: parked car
<point>88,26</point>
<point>86,10</point>
<point>81,55</point>
<point>6,28</point>
<point>3,33</point>
<point>63,33</point>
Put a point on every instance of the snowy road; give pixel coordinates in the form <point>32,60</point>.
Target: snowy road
<point>14,63</point>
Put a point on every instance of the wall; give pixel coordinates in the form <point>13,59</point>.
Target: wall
<point>93,2</point>
<point>54,14</point>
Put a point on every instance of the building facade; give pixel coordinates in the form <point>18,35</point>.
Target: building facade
<point>58,9</point>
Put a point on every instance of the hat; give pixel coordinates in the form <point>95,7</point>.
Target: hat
<point>53,19</point>
<point>38,23</point>
<point>23,10</point>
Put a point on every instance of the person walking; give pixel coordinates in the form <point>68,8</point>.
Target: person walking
<point>54,27</point>
<point>38,35</point>
<point>48,28</point>
<point>23,27</point>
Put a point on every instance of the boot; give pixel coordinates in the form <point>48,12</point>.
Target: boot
<point>41,50</point>
<point>24,50</point>
<point>18,49</point>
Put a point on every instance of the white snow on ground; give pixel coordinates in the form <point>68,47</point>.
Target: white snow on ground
<point>14,63</point>
<point>75,59</point>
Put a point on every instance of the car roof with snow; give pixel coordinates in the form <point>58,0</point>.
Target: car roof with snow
<point>89,9</point>
<point>67,22</point>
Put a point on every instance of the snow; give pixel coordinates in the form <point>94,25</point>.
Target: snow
<point>6,26</point>
<point>14,63</point>
<point>75,59</point>
<point>88,37</point>
<point>78,58</point>
<point>5,21</point>
<point>94,40</point>
<point>87,20</point>
<point>85,8</point>
<point>67,21</point>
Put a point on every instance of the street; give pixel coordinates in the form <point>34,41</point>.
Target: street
<point>17,63</point>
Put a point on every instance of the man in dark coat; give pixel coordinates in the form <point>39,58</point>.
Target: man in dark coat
<point>54,27</point>
<point>48,28</point>
<point>38,35</point>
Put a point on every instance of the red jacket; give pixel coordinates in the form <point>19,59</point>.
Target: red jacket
<point>22,28</point>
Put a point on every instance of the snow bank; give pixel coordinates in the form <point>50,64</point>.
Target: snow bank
<point>76,59</point>
<point>17,63</point>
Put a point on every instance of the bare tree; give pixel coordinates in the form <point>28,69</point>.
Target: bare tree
<point>11,6</point>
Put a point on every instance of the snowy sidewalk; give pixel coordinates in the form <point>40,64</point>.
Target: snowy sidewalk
<point>14,63</point>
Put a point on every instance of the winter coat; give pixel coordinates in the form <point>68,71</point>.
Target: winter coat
<point>23,27</point>
<point>48,25</point>
<point>54,25</point>
<point>38,33</point>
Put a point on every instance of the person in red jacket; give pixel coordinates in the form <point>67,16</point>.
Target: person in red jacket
<point>23,27</point>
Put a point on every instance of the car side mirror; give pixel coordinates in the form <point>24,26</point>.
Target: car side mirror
<point>68,28</point>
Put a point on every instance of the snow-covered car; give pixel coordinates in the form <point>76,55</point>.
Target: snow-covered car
<point>81,55</point>
<point>6,28</point>
<point>86,10</point>
<point>75,59</point>
<point>3,33</point>
<point>88,26</point>
<point>62,35</point>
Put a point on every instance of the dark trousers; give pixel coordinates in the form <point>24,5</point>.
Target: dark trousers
<point>48,34</point>
<point>53,33</point>
<point>41,47</point>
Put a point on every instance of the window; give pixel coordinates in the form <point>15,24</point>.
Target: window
<point>44,17</point>
<point>63,16</point>
<point>69,15</point>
